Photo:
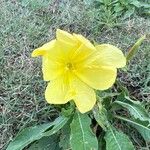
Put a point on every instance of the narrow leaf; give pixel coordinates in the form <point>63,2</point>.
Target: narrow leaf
<point>56,127</point>
<point>134,107</point>
<point>82,136</point>
<point>135,47</point>
<point>117,140</point>
<point>142,126</point>
<point>29,135</point>
<point>46,143</point>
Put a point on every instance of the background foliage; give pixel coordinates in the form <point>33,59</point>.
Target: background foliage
<point>27,24</point>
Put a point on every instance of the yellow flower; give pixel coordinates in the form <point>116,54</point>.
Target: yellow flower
<point>75,67</point>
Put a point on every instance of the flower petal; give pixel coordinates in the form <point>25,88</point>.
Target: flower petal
<point>54,50</point>
<point>81,39</point>
<point>65,37</point>
<point>109,55</point>
<point>58,91</point>
<point>66,43</point>
<point>43,49</point>
<point>85,97</point>
<point>51,65</point>
<point>100,78</point>
<point>65,50</point>
<point>51,70</point>
<point>85,49</point>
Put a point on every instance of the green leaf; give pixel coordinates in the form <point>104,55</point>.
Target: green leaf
<point>135,47</point>
<point>145,5</point>
<point>128,13</point>
<point>136,3</point>
<point>117,140</point>
<point>134,107</point>
<point>123,89</point>
<point>81,134</point>
<point>65,137</point>
<point>118,8</point>
<point>100,116</point>
<point>56,127</point>
<point>106,94</point>
<point>29,135</point>
<point>46,143</point>
<point>107,2</point>
<point>143,127</point>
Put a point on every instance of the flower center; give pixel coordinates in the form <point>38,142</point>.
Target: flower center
<point>70,66</point>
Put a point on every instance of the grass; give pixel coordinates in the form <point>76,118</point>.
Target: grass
<point>25,25</point>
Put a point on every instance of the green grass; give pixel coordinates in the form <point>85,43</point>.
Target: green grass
<point>27,25</point>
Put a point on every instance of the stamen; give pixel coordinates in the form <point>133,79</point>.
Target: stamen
<point>69,66</point>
